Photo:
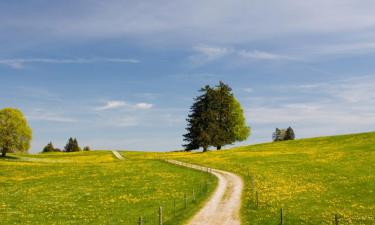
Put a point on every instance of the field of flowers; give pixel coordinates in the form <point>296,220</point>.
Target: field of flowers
<point>96,188</point>
<point>311,179</point>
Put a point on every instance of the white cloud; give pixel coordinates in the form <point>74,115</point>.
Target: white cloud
<point>261,55</point>
<point>19,63</point>
<point>143,105</point>
<point>112,105</point>
<point>211,52</point>
<point>248,90</point>
<point>206,53</point>
<point>122,104</point>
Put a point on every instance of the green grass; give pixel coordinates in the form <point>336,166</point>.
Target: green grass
<point>311,179</point>
<point>95,188</point>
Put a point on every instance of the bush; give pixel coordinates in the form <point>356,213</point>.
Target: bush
<point>86,148</point>
<point>49,148</point>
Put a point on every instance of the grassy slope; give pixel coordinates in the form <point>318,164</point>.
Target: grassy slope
<point>94,188</point>
<point>312,179</point>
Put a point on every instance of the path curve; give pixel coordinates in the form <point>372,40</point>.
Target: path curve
<point>118,155</point>
<point>223,208</point>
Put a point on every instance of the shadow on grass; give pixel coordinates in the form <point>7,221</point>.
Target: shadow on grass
<point>7,157</point>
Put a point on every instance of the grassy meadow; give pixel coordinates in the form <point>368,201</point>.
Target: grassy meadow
<point>311,179</point>
<point>96,188</point>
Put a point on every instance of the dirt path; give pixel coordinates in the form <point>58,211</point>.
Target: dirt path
<point>118,155</point>
<point>223,208</point>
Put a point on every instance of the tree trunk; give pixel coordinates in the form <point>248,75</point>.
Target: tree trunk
<point>218,147</point>
<point>205,148</point>
<point>3,153</point>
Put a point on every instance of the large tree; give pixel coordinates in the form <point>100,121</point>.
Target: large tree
<point>216,119</point>
<point>15,133</point>
<point>200,125</point>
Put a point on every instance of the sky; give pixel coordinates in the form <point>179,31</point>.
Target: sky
<point>123,74</point>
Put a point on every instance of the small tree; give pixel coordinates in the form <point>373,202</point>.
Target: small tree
<point>69,145</point>
<point>15,133</point>
<point>49,148</point>
<point>290,134</point>
<point>279,135</point>
<point>72,145</point>
<point>76,147</point>
<point>86,148</point>
<point>283,134</point>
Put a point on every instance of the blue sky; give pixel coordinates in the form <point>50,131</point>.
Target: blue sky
<point>123,74</point>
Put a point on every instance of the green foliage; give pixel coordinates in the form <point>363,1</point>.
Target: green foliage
<point>283,134</point>
<point>290,134</point>
<point>15,133</point>
<point>86,148</point>
<point>216,119</point>
<point>50,148</point>
<point>72,145</point>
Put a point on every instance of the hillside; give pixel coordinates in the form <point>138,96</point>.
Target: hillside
<point>96,188</point>
<point>311,179</point>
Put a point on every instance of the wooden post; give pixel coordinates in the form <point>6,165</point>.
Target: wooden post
<point>185,197</point>
<point>160,215</point>
<point>256,199</point>
<point>336,219</point>
<point>140,221</point>
<point>281,216</point>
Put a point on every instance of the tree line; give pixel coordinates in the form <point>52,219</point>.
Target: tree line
<point>216,119</point>
<point>71,146</point>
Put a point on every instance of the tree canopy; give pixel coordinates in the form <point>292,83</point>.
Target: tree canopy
<point>72,145</point>
<point>15,133</point>
<point>50,148</point>
<point>283,134</point>
<point>216,119</point>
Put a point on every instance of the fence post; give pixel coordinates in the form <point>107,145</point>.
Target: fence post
<point>140,221</point>
<point>160,215</point>
<point>281,216</point>
<point>336,219</point>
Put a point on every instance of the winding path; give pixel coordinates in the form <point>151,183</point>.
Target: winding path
<point>223,208</point>
<point>117,155</point>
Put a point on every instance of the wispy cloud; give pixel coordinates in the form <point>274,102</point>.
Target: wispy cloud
<point>206,53</point>
<point>228,22</point>
<point>143,105</point>
<point>340,106</point>
<point>112,105</point>
<point>19,63</point>
<point>49,116</point>
<point>262,55</point>
<point>122,104</point>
